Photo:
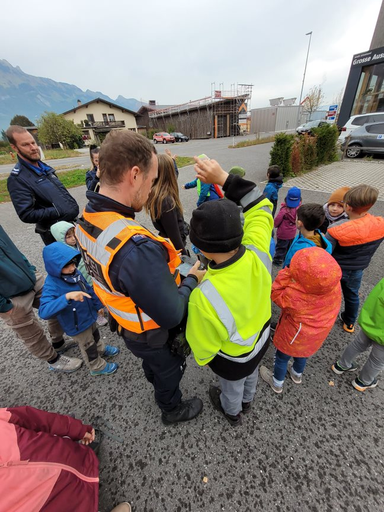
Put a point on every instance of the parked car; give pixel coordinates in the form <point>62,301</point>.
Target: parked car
<point>180,137</point>
<point>163,137</point>
<point>307,127</point>
<point>365,139</point>
<point>356,121</point>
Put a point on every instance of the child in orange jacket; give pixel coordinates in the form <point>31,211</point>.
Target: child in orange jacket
<point>309,295</point>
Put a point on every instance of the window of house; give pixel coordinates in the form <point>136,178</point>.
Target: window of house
<point>105,118</point>
<point>90,118</point>
<point>370,91</point>
<point>111,117</point>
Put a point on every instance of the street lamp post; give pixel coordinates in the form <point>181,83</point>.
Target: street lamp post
<point>305,70</point>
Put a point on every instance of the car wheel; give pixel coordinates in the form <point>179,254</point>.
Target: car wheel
<point>164,141</point>
<point>155,141</point>
<point>353,151</point>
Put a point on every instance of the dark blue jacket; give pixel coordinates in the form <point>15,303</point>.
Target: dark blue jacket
<point>140,270</point>
<point>73,316</point>
<point>39,197</point>
<point>91,180</point>
<point>17,275</point>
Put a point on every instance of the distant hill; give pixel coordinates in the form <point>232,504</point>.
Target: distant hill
<point>30,95</point>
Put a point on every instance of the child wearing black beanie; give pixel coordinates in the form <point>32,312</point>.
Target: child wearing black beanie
<point>229,312</point>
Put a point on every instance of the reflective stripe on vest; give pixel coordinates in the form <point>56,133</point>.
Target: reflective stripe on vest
<point>263,256</point>
<point>259,345</point>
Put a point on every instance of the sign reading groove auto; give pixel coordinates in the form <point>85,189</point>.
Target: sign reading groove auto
<point>371,57</point>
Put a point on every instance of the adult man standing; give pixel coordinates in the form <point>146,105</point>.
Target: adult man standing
<point>134,271</point>
<point>37,194</point>
<point>20,291</point>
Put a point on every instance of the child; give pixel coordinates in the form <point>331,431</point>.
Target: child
<point>275,182</point>
<point>371,321</point>
<point>285,222</point>
<point>334,209</point>
<point>68,297</point>
<point>92,177</point>
<point>230,311</point>
<point>309,217</point>
<point>309,295</point>
<point>354,242</point>
<point>206,191</point>
<point>65,232</point>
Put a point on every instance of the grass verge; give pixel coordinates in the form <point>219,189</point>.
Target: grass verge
<point>76,177</point>
<point>50,154</point>
<point>252,142</point>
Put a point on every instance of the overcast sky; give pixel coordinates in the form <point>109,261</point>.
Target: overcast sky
<point>172,51</point>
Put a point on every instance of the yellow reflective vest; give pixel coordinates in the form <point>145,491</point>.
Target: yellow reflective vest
<point>228,311</point>
<point>100,236</point>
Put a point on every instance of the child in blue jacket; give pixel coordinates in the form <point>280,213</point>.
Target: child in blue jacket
<point>310,217</point>
<point>68,297</point>
<point>206,191</point>
<point>275,182</point>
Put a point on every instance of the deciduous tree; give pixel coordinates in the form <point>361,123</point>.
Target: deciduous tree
<point>21,121</point>
<point>314,99</point>
<point>55,129</point>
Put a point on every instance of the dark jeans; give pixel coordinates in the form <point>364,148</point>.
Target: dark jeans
<point>282,247</point>
<point>162,369</point>
<point>281,365</point>
<point>350,284</point>
<point>47,237</point>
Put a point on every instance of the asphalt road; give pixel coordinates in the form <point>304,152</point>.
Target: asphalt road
<point>317,447</point>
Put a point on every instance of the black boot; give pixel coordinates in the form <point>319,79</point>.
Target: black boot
<point>185,411</point>
<point>214,395</point>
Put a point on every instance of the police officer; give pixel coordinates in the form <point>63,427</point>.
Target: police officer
<point>134,271</point>
<point>37,194</point>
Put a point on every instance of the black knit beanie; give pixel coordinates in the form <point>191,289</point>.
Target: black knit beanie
<point>216,227</point>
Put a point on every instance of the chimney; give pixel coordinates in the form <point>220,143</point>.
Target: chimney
<point>79,103</point>
<point>152,103</point>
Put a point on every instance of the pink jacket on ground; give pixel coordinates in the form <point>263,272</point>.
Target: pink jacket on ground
<point>309,294</point>
<point>285,222</point>
<point>42,471</point>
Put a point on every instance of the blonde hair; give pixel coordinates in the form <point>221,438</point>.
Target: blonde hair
<point>164,187</point>
<point>361,198</point>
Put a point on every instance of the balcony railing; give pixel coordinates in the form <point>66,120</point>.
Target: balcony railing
<point>103,124</point>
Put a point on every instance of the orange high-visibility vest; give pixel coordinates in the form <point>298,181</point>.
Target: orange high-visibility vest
<point>100,236</point>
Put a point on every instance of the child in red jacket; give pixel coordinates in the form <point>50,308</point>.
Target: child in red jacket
<point>309,295</point>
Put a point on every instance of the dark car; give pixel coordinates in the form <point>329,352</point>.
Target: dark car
<point>368,138</point>
<point>307,127</point>
<point>180,137</point>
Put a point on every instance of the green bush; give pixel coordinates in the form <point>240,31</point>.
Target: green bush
<point>171,128</point>
<point>308,151</point>
<point>150,133</point>
<point>281,153</point>
<point>326,138</point>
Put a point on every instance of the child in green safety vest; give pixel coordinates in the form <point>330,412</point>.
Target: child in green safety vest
<point>229,313</point>
<point>206,191</point>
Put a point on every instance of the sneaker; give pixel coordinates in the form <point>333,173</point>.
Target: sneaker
<point>267,376</point>
<point>246,407</point>
<point>214,395</point>
<point>101,320</point>
<point>109,369</point>
<point>65,364</point>
<point>357,384</point>
<point>67,344</point>
<point>123,507</point>
<point>110,351</point>
<point>297,379</point>
<point>339,370</point>
<point>347,327</point>
<point>185,411</point>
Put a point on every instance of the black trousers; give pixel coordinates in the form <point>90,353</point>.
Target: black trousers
<point>282,247</point>
<point>162,369</point>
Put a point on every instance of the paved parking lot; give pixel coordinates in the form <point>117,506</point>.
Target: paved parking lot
<point>317,447</point>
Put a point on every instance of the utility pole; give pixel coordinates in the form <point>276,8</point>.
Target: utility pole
<point>305,70</point>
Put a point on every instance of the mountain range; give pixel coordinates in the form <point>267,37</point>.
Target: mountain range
<point>31,96</point>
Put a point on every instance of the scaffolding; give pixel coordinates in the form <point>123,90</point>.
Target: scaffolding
<point>215,116</point>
